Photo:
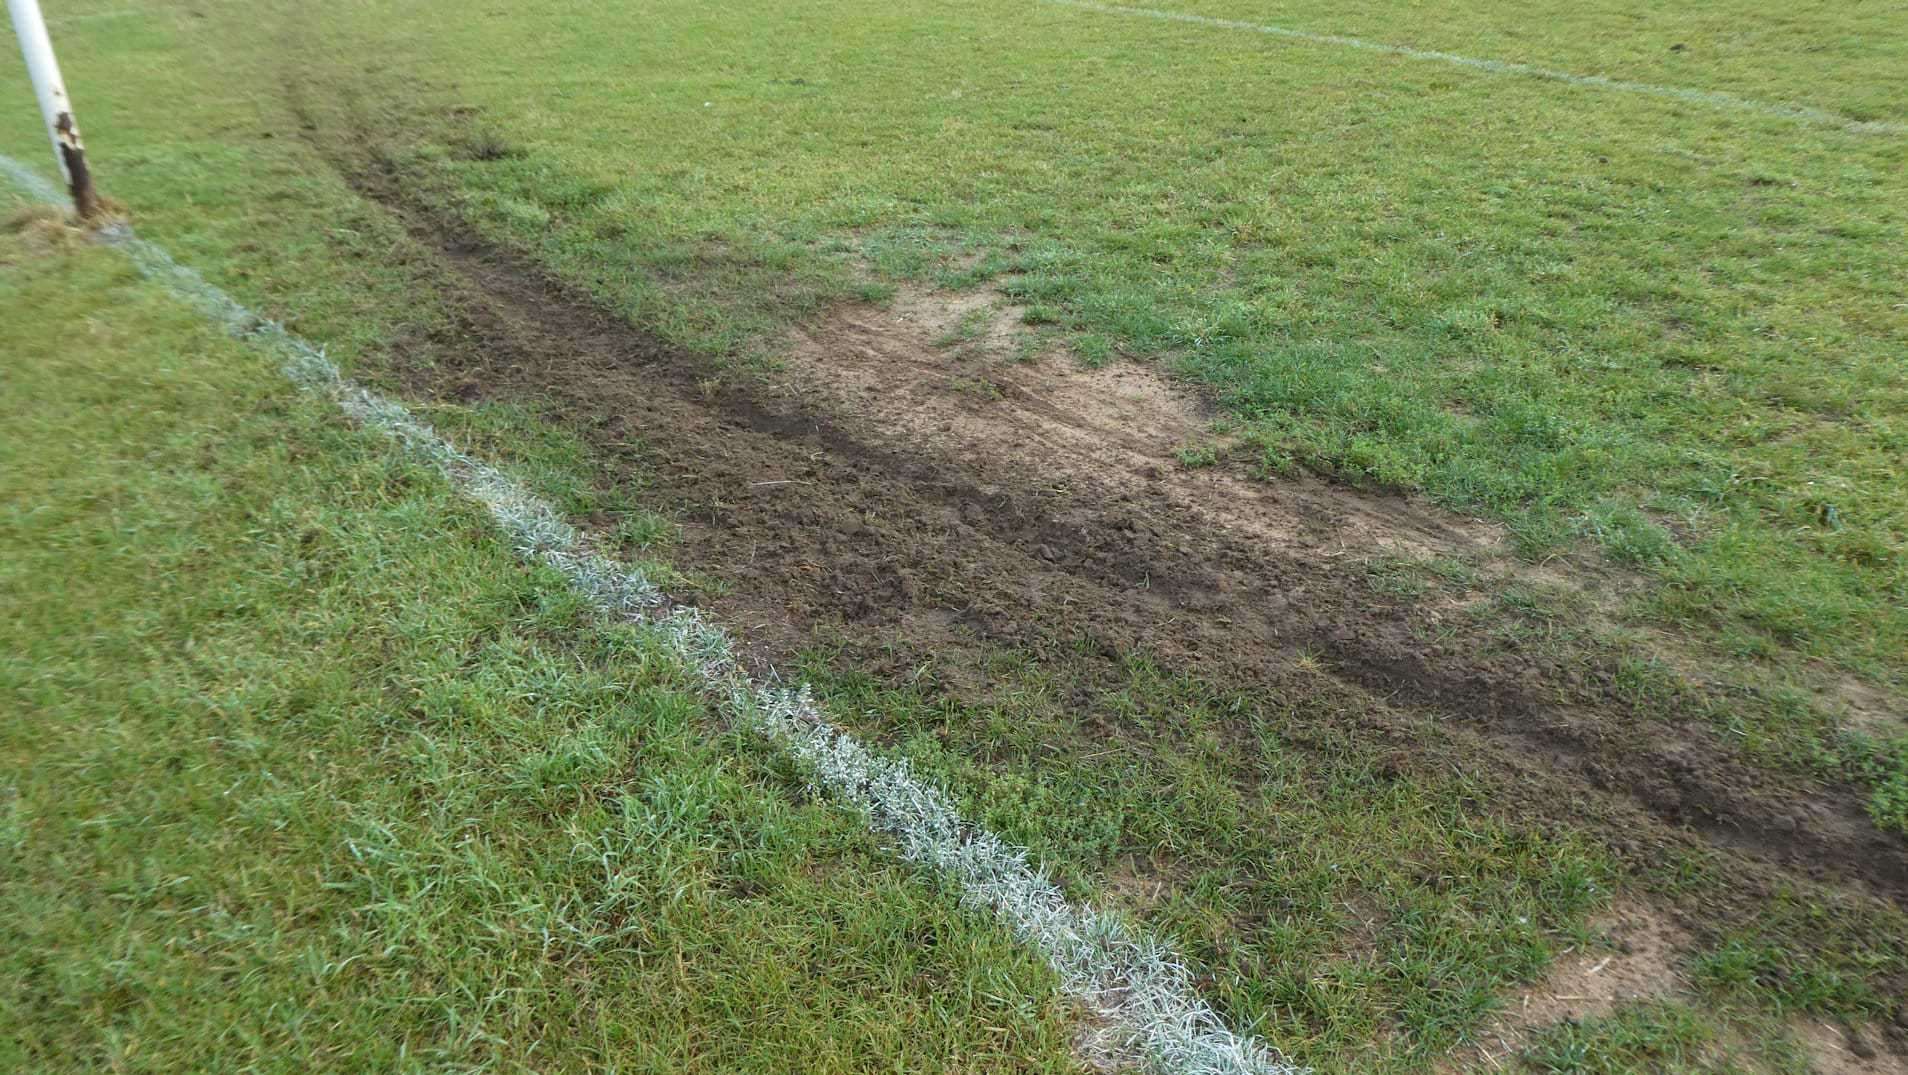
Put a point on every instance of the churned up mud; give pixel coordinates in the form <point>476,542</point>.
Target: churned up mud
<point>919,475</point>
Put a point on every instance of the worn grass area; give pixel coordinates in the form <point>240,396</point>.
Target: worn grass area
<point>1362,919</point>
<point>1370,909</point>
<point>1659,330</point>
<point>304,771</point>
<point>313,770</point>
<point>314,773</point>
<point>1663,329</point>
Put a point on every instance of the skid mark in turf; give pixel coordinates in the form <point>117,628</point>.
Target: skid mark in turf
<point>1148,1010</point>
<point>1711,98</point>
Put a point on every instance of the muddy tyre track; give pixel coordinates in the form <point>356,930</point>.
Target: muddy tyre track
<point>820,519</point>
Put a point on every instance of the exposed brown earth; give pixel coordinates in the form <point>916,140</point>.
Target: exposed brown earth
<point>1636,961</point>
<point>904,479</point>
<point>1834,1050</point>
<point>942,370</point>
<point>947,518</point>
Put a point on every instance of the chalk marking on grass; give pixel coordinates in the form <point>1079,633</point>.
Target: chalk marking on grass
<point>1712,98</point>
<point>1137,986</point>
<point>35,185</point>
<point>95,16</point>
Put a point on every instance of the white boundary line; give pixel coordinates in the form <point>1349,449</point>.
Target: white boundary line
<point>98,15</point>
<point>1711,98</point>
<point>1137,986</point>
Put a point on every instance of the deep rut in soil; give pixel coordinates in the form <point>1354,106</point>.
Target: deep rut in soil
<point>826,517</point>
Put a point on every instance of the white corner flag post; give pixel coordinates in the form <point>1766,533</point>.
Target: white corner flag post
<point>54,107</point>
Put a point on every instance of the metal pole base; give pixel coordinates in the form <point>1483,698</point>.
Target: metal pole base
<point>79,177</point>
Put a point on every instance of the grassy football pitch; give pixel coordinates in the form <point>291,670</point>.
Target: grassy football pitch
<point>1404,504</point>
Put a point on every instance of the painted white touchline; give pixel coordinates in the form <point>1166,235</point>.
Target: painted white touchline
<point>29,180</point>
<point>1138,987</point>
<point>97,15</point>
<point>1712,98</point>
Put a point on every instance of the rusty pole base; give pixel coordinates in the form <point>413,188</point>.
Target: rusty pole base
<point>78,176</point>
<point>44,71</point>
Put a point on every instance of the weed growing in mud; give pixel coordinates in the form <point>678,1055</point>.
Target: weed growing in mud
<point>1657,1037</point>
<point>1195,456</point>
<point>972,326</point>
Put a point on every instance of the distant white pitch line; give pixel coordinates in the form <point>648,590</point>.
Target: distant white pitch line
<point>96,16</point>
<point>1138,987</point>
<point>1710,98</point>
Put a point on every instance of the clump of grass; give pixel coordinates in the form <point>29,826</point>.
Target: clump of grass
<point>1094,350</point>
<point>43,229</point>
<point>1195,456</point>
<point>1662,1037</point>
<point>488,146</point>
<point>968,328</point>
<point>1888,772</point>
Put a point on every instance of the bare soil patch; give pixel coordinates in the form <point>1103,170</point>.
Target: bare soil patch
<point>1869,709</point>
<point>884,501</point>
<point>1638,960</point>
<point>960,374</point>
<point>1139,884</point>
<point>1644,948</point>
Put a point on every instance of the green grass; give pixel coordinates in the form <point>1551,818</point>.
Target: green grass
<point>1362,920</point>
<point>306,772</point>
<point>1671,1039</point>
<point>1727,46</point>
<point>1367,907</point>
<point>1674,1038</point>
<point>313,775</point>
<point>1664,330</point>
<point>1660,330</point>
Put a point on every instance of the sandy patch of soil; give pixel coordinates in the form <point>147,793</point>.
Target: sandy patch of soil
<point>1835,1050</point>
<point>1637,961</point>
<point>960,372</point>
